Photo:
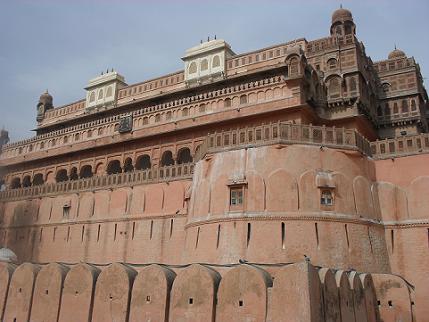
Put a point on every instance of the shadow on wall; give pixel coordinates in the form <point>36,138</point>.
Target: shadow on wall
<point>300,292</point>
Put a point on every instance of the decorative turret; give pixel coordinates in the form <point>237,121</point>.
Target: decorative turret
<point>45,103</point>
<point>4,137</point>
<point>342,23</point>
<point>396,53</point>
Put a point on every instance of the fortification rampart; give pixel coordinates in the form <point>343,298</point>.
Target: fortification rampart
<point>199,292</point>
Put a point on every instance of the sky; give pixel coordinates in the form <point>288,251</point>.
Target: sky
<point>60,45</point>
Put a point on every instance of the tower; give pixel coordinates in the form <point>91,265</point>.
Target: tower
<point>342,23</point>
<point>45,103</point>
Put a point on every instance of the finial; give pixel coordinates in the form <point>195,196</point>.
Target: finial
<point>101,73</point>
<point>208,38</point>
<point>395,46</point>
<point>107,70</point>
<point>215,37</point>
<point>46,92</point>
<point>112,70</point>
<point>341,6</point>
<point>201,41</point>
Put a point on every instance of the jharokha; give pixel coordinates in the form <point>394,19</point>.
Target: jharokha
<point>290,183</point>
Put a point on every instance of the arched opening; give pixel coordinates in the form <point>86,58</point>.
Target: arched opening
<point>184,156</point>
<point>334,88</point>
<point>26,182</point>
<point>243,99</point>
<point>386,109</point>
<point>167,159</point>
<point>38,179</point>
<point>379,111</point>
<point>62,176</point>
<point>73,174</point>
<point>332,63</point>
<point>86,172</point>
<point>114,167</point>
<point>216,61</point>
<point>143,162</point>
<point>227,102</point>
<point>128,165</point>
<point>293,66</point>
<point>395,108</point>
<point>192,68</point>
<point>15,183</point>
<point>413,105</point>
<point>404,108</point>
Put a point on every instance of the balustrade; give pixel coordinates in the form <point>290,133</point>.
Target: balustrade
<point>401,146</point>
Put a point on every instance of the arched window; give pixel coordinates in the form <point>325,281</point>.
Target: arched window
<point>379,111</point>
<point>100,131</point>
<point>332,63</point>
<point>168,115</point>
<point>404,108</point>
<point>145,120</point>
<point>89,133</point>
<point>227,102</point>
<point>15,183</point>
<point>185,112</point>
<point>73,174</point>
<point>100,94</point>
<point>216,61</point>
<point>334,87</point>
<point>109,92</point>
<point>202,108</point>
<point>184,156</point>
<point>243,99</point>
<point>386,109</point>
<point>395,108</point>
<point>26,182</point>
<point>143,162</point>
<point>158,118</point>
<point>61,175</point>
<point>86,172</point>
<point>413,105</point>
<point>38,179</point>
<point>114,167</point>
<point>352,84</point>
<point>77,137</point>
<point>193,68</point>
<point>204,65</point>
<point>92,97</point>
<point>128,165</point>
<point>338,31</point>
<point>167,159</point>
<point>293,66</point>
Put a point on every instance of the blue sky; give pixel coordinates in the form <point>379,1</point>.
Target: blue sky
<point>61,44</point>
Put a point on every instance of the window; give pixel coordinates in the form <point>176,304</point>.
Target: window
<point>66,211</point>
<point>404,106</point>
<point>326,198</point>
<point>109,91</point>
<point>92,97</point>
<point>100,94</point>
<point>192,68</point>
<point>227,102</point>
<point>332,63</point>
<point>236,196</point>
<point>216,61</point>
<point>243,99</point>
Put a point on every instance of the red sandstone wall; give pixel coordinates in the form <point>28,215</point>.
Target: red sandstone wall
<point>282,218</point>
<point>293,293</point>
<point>403,189</point>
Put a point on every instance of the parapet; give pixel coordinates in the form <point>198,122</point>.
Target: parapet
<point>247,292</point>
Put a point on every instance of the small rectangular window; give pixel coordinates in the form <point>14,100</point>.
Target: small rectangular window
<point>326,198</point>
<point>66,211</point>
<point>236,196</point>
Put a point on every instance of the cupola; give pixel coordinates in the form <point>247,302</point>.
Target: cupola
<point>396,53</point>
<point>342,23</point>
<point>45,103</point>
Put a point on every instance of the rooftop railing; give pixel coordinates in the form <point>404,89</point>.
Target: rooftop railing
<point>154,175</point>
<point>401,146</point>
<point>285,133</point>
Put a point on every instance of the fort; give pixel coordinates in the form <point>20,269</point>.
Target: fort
<point>286,184</point>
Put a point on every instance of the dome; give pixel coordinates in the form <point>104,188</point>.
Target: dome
<point>341,15</point>
<point>396,53</point>
<point>45,97</point>
<point>8,256</point>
